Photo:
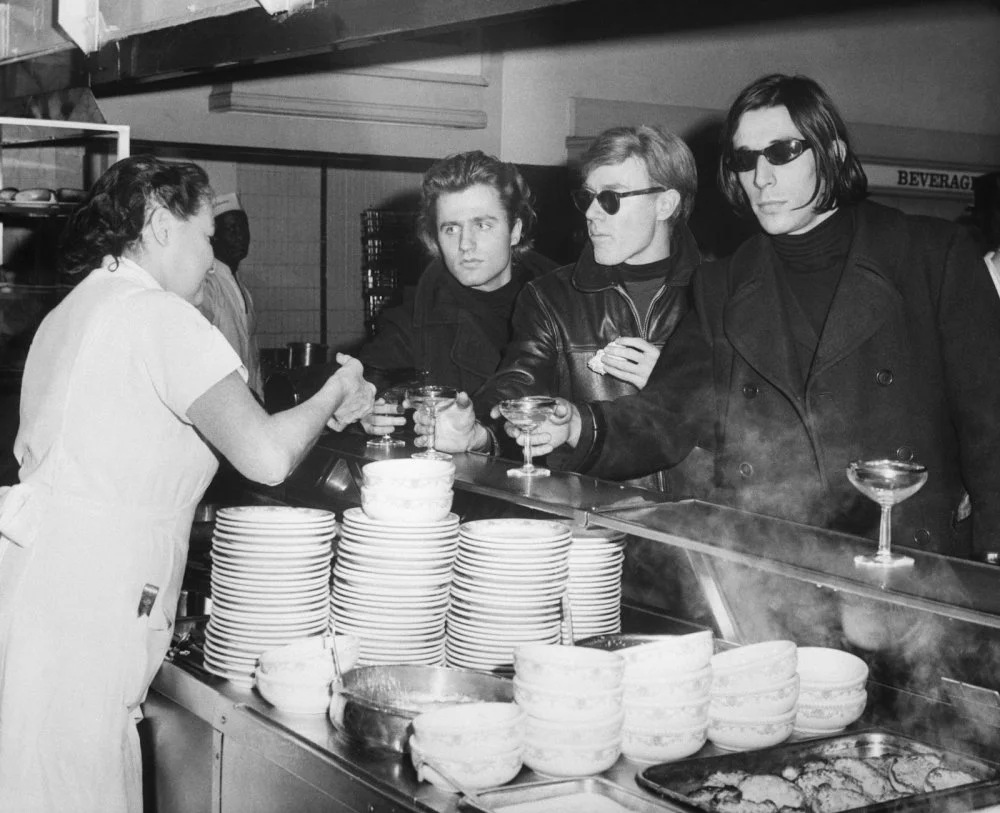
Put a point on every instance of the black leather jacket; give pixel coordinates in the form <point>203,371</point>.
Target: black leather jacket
<point>564,317</point>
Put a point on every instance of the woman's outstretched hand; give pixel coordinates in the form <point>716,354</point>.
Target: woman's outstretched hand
<point>357,394</point>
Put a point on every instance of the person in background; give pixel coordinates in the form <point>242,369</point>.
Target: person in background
<point>127,391</point>
<point>846,330</point>
<point>593,330</point>
<point>985,220</point>
<point>476,218</point>
<point>227,302</point>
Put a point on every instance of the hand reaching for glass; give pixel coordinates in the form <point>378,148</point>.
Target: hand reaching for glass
<point>385,417</point>
<point>560,426</point>
<point>630,359</point>
<point>453,432</point>
<point>356,394</point>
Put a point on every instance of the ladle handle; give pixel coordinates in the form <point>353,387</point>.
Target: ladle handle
<point>471,797</point>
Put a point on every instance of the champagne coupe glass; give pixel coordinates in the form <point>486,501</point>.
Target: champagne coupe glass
<point>392,405</point>
<point>526,414</point>
<point>887,482</point>
<point>430,398</point>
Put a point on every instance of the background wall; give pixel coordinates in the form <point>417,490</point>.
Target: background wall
<point>917,85</point>
<point>934,68</point>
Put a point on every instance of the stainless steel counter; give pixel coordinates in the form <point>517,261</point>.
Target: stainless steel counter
<point>265,760</point>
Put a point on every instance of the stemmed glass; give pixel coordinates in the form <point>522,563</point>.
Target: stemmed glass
<point>526,414</point>
<point>887,482</point>
<point>430,398</point>
<point>392,404</point>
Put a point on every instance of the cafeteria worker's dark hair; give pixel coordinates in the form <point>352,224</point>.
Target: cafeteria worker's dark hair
<point>114,213</point>
<point>456,173</point>
<point>840,180</point>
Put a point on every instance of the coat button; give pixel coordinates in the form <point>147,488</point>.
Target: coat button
<point>749,390</point>
<point>746,470</point>
<point>884,377</point>
<point>904,453</point>
<point>922,537</point>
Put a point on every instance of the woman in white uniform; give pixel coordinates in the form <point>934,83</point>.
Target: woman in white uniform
<point>127,389</point>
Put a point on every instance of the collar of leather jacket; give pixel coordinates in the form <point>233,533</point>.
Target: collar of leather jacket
<point>590,276</point>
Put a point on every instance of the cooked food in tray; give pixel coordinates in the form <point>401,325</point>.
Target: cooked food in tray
<point>823,776</point>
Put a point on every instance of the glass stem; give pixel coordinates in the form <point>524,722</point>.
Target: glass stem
<point>528,466</point>
<point>885,531</point>
<point>432,411</point>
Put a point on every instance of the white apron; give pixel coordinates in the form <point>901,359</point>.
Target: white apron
<point>111,474</point>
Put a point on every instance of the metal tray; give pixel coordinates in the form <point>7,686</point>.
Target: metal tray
<point>674,780</point>
<point>543,797</point>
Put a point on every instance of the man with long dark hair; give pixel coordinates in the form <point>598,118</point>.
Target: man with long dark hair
<point>845,330</point>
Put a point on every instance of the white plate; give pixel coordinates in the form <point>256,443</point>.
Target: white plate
<point>364,578</point>
<point>270,573</point>
<point>424,565</point>
<point>411,553</point>
<point>515,528</point>
<point>280,600</point>
<point>512,590</point>
<point>356,516</point>
<point>278,514</point>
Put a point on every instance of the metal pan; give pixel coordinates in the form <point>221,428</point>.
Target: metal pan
<point>558,794</point>
<point>674,781</point>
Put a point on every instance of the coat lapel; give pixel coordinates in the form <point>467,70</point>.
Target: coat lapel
<point>757,326</point>
<point>865,296</point>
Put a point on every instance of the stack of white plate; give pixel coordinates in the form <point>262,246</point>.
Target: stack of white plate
<point>270,583</point>
<point>595,582</point>
<point>390,587</point>
<point>508,589</point>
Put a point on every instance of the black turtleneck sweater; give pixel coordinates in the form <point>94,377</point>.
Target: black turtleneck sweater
<point>642,281</point>
<point>811,265</point>
<point>492,309</point>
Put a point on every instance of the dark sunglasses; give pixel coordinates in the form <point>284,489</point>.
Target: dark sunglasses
<point>777,154</point>
<point>609,200</point>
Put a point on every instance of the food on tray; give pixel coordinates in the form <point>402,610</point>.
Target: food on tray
<point>826,785</point>
<point>34,196</point>
<point>873,782</point>
<point>8,192</point>
<point>67,195</point>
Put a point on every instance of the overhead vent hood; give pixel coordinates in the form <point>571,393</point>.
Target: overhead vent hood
<point>122,42</point>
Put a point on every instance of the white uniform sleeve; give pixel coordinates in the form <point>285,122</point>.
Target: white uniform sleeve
<point>185,356</point>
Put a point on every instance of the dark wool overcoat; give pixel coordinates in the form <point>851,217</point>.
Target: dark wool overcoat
<point>907,367</point>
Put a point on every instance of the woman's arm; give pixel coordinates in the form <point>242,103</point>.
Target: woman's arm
<point>267,448</point>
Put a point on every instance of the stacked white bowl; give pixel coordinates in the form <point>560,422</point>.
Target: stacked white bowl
<point>666,697</point>
<point>296,677</point>
<point>478,744</point>
<point>407,490</point>
<point>573,700</point>
<point>755,692</point>
<point>832,693</point>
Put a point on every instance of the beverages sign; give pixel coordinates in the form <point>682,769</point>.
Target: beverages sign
<point>937,181</point>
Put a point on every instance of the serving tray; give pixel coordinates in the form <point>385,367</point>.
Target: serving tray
<point>585,795</point>
<point>675,780</point>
